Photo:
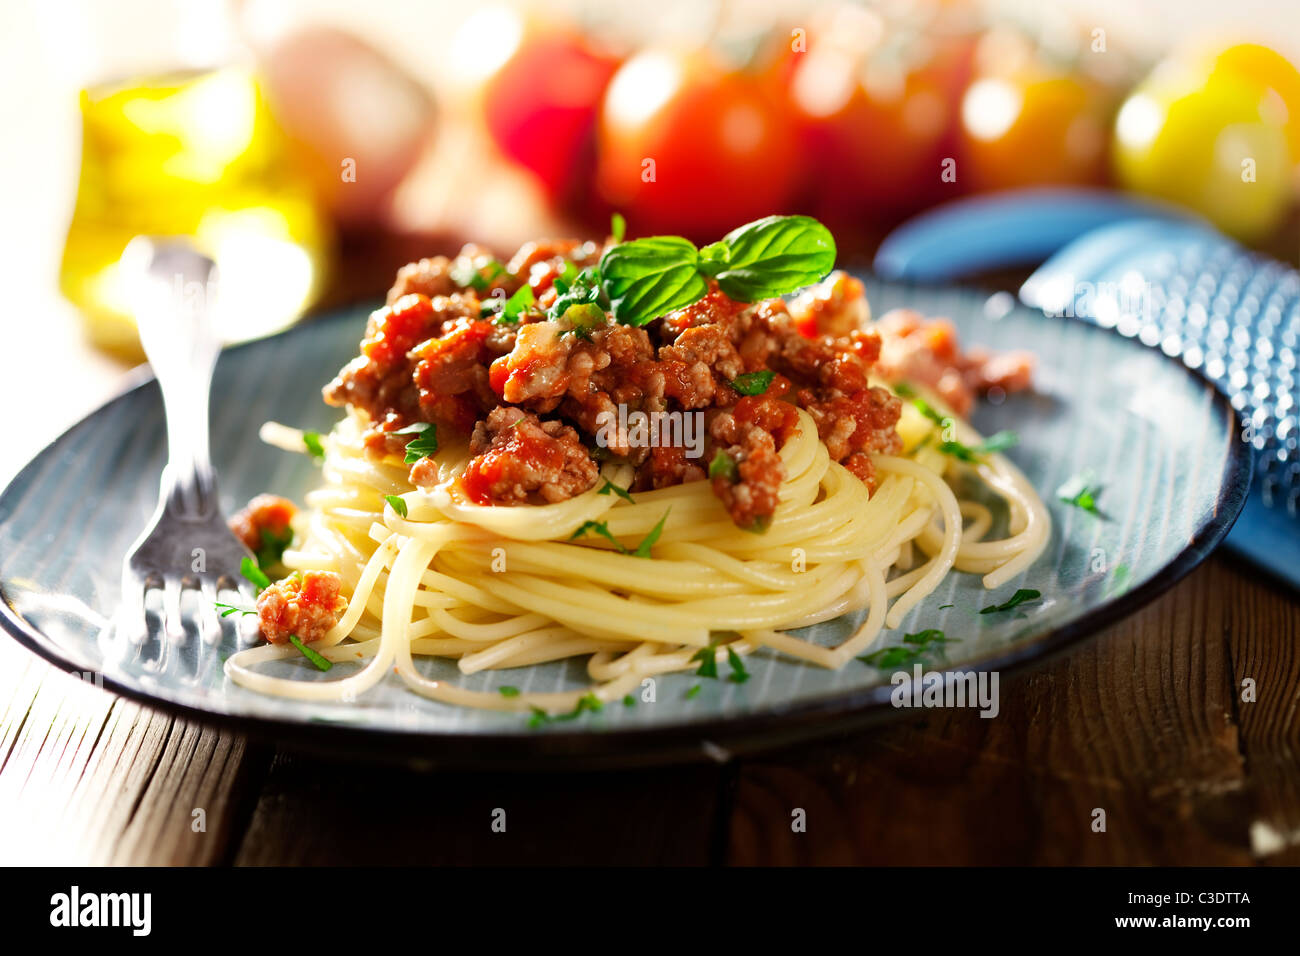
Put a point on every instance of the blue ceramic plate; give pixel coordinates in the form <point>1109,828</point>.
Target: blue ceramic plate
<point>1161,440</point>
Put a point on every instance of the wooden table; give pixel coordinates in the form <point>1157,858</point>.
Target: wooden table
<point>1146,722</point>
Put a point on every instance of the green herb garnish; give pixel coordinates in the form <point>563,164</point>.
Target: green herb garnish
<point>321,663</point>
<point>423,444</point>
<point>999,442</point>
<point>629,700</point>
<point>254,574</point>
<point>587,702</point>
<point>646,278</point>
<point>738,673</point>
<point>508,691</point>
<point>229,609</point>
<point>314,446</point>
<point>693,691</point>
<point>610,488</point>
<point>724,466</point>
<point>471,275</point>
<point>271,552</point>
<point>753,383</point>
<point>600,528</point>
<point>516,305</point>
<point>708,659</point>
<point>398,503</point>
<point>914,648</point>
<point>1081,491</point>
<point>643,549</point>
<point>1022,596</point>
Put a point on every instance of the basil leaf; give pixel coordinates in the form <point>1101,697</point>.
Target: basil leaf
<point>773,256</point>
<point>647,278</point>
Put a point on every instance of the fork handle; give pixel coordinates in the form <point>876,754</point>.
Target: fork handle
<point>181,344</point>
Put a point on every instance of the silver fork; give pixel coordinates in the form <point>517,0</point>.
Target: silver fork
<point>186,543</point>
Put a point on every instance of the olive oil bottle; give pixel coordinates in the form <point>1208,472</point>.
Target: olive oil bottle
<point>196,154</point>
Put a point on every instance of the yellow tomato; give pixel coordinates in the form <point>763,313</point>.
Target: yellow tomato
<point>1216,144</point>
<point>1270,69</point>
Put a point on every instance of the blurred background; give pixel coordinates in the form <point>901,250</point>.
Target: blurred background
<point>314,146</point>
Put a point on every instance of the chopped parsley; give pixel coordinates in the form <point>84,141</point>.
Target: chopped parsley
<point>738,673</point>
<point>516,305</point>
<point>629,700</point>
<point>693,691</point>
<point>314,446</point>
<point>913,649</point>
<point>753,383</point>
<point>724,466</point>
<point>254,574</point>
<point>272,550</point>
<point>998,442</point>
<point>602,529</point>
<point>643,549</point>
<point>398,503</point>
<point>475,276</point>
<point>1022,596</point>
<point>708,659</point>
<point>229,609</point>
<point>423,444</point>
<point>1081,491</point>
<point>587,702</point>
<point>508,691</point>
<point>610,488</point>
<point>321,663</point>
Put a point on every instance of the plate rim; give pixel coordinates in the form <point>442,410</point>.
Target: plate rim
<point>717,738</point>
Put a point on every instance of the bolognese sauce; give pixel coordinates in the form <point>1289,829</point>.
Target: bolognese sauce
<point>529,391</point>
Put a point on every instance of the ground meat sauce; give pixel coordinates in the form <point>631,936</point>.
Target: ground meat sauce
<point>265,519</point>
<point>925,351</point>
<point>305,605</point>
<point>531,395</point>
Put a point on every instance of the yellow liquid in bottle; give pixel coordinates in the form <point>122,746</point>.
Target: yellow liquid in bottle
<point>197,155</point>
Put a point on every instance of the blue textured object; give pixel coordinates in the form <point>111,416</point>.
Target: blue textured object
<point>1235,315</point>
<point>1164,278</point>
<point>989,232</point>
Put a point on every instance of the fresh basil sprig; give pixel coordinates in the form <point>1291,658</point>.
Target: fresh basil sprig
<point>770,257</point>
<point>641,280</point>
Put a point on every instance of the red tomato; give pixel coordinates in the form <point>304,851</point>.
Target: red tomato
<point>688,145</point>
<point>880,126</point>
<point>540,106</point>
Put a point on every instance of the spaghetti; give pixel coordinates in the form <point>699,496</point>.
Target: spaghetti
<point>496,588</point>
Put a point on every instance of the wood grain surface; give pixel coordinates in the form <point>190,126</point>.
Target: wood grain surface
<point>1146,722</point>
